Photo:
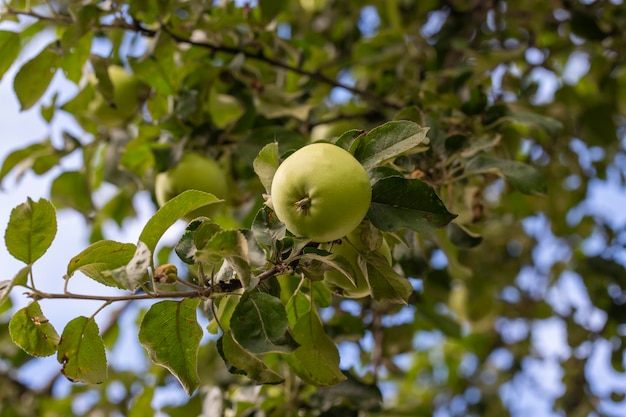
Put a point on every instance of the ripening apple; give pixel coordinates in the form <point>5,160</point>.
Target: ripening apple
<point>351,247</point>
<point>193,172</point>
<point>128,94</point>
<point>321,192</point>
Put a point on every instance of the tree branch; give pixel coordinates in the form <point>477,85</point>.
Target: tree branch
<point>252,55</point>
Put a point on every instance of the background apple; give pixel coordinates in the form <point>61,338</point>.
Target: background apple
<point>128,94</point>
<point>193,172</point>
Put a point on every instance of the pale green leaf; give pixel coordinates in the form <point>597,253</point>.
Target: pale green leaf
<point>240,361</point>
<point>32,331</point>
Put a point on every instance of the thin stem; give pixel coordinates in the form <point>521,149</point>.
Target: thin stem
<point>252,55</point>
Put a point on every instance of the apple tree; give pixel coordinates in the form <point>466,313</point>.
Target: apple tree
<point>367,193</point>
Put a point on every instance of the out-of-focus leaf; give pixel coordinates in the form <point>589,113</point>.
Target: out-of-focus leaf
<point>32,80</point>
<point>525,178</point>
<point>70,190</point>
<point>171,334</point>
<point>9,50</point>
<point>460,236</point>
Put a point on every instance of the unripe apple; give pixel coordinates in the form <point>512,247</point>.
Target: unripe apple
<point>193,172</point>
<point>321,192</point>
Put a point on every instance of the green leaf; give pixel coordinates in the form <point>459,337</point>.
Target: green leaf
<point>267,229</point>
<point>260,325</point>
<point>9,50</point>
<point>399,202</point>
<point>240,361</point>
<point>317,359</point>
<point>26,157</point>
<point>7,285</point>
<point>266,163</point>
<point>171,334</point>
<point>224,308</point>
<point>549,125</point>
<point>231,246</point>
<point>31,230</point>
<point>174,209</point>
<point>31,331</point>
<point>101,260</point>
<point>386,284</point>
<point>32,80</point>
<point>389,141</point>
<point>70,190</point>
<point>524,177</point>
<point>315,263</point>
<point>142,403</point>
<point>81,351</point>
<point>224,109</point>
<point>348,139</point>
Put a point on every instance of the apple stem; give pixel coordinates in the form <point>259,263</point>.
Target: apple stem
<point>303,205</point>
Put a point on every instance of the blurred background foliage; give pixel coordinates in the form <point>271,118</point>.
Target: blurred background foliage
<point>519,304</point>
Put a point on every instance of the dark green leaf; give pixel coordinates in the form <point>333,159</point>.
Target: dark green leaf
<point>460,236</point>
<point>271,8</point>
<point>388,141</point>
<point>259,324</point>
<point>399,202</point>
<point>31,230</point>
<point>171,334</point>
<point>81,351</point>
<point>32,331</point>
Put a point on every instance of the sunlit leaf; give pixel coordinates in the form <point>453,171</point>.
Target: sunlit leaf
<point>266,163</point>
<point>31,230</point>
<point>32,331</point>
<point>100,260</point>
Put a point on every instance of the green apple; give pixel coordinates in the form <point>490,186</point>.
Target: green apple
<point>321,192</point>
<point>193,172</point>
<point>352,247</point>
<point>128,94</point>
